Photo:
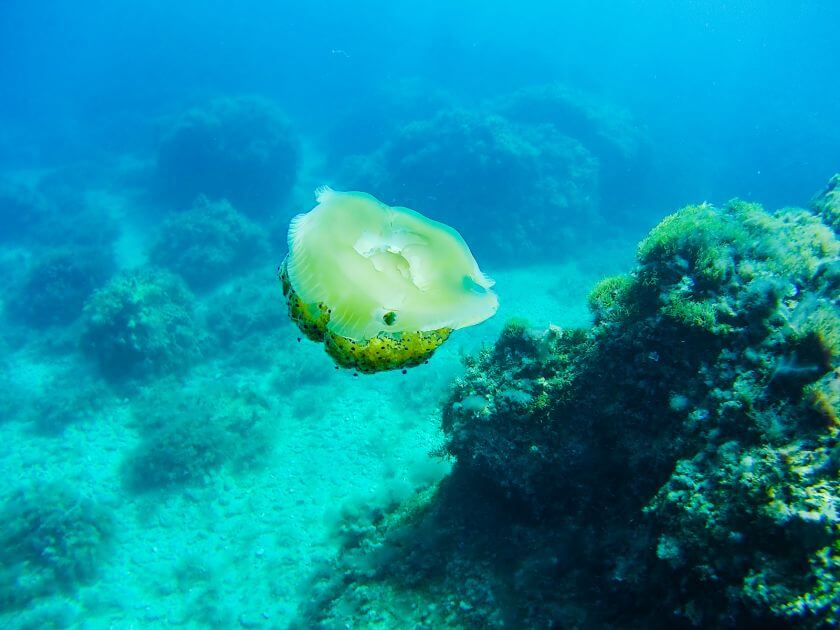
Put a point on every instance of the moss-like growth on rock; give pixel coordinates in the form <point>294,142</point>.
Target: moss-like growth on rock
<point>610,300</point>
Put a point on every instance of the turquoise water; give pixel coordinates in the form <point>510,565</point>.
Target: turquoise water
<point>175,454</point>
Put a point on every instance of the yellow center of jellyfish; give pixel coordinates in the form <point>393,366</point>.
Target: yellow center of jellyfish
<point>382,287</point>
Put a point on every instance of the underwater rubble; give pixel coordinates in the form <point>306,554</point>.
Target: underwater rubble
<point>673,465</point>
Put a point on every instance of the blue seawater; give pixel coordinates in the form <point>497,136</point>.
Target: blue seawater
<point>645,435</point>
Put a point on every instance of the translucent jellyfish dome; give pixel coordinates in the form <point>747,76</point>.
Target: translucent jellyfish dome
<point>382,287</point>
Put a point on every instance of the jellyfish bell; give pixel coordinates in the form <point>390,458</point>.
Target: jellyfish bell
<point>381,287</point>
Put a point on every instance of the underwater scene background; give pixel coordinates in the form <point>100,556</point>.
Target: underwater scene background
<point>645,434</point>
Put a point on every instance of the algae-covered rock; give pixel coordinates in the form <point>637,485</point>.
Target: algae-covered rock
<point>676,464</point>
<point>56,285</point>
<point>208,244</point>
<point>517,192</point>
<point>52,540</point>
<point>241,149</point>
<point>141,324</point>
<point>827,203</point>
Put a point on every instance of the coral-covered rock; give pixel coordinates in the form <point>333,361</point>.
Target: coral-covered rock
<point>141,324</point>
<point>674,465</point>
<point>720,354</point>
<point>241,149</point>
<point>209,244</point>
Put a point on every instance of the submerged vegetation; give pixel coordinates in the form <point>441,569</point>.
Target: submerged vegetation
<point>52,540</point>
<point>186,437</point>
<point>56,285</point>
<point>675,463</point>
<point>141,324</point>
<point>208,244</point>
<point>178,454</point>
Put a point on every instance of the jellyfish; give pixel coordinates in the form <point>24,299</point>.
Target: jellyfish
<point>382,287</point>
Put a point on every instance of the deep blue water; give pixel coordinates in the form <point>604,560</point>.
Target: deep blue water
<point>552,135</point>
<point>738,96</point>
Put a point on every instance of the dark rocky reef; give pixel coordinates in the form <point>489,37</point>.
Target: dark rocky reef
<point>33,214</point>
<point>522,176</point>
<point>674,465</point>
<point>372,116</point>
<point>619,143</point>
<point>22,209</point>
<point>244,319</point>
